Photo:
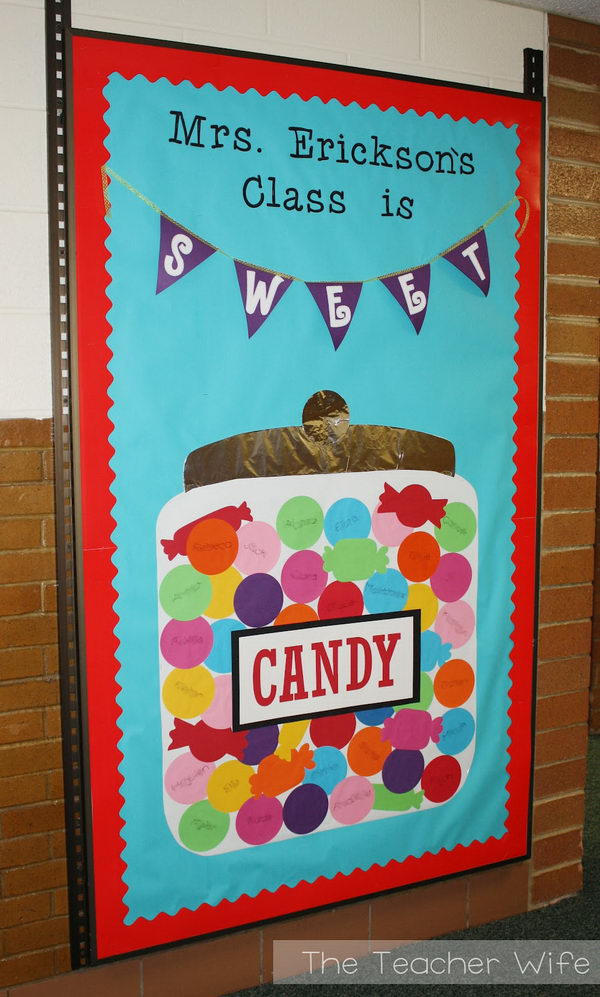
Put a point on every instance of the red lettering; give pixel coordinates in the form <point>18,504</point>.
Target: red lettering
<point>330,668</point>
<point>354,643</point>
<point>271,656</point>
<point>386,654</point>
<point>293,675</point>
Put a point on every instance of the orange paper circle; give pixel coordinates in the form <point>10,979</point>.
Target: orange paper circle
<point>418,556</point>
<point>454,683</point>
<point>367,751</point>
<point>296,613</point>
<point>212,546</point>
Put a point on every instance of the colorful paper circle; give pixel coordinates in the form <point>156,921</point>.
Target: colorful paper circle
<point>458,528</point>
<point>367,751</point>
<point>421,597</point>
<point>202,828</point>
<point>188,693</point>
<point>219,713</point>
<point>386,592</point>
<point>330,768</point>
<point>348,518</point>
<point>300,522</point>
<point>305,809</point>
<point>335,730</point>
<point>302,577</point>
<point>351,800</point>
<point>219,659</point>
<point>184,593</point>
<point>455,623</point>
<point>259,820</point>
<point>229,786</point>
<point>454,683</point>
<point>458,728</point>
<point>452,577</point>
<point>224,587</point>
<point>340,599</point>
<point>259,548</point>
<point>258,600</point>
<point>212,546</point>
<point>296,613</point>
<point>440,779</point>
<point>402,770</point>
<point>186,778</point>
<point>388,529</point>
<point>186,643</point>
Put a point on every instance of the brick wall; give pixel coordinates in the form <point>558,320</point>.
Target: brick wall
<point>33,925</point>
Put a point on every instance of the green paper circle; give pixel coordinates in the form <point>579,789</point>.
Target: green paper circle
<point>458,528</point>
<point>300,522</point>
<point>184,593</point>
<point>202,827</point>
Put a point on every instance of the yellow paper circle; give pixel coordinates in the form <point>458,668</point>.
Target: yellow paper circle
<point>188,692</point>
<point>223,590</point>
<point>421,597</point>
<point>229,786</point>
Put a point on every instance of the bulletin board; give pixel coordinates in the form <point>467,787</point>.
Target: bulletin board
<point>305,308</point>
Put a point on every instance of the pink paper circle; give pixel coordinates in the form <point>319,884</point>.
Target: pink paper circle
<point>303,578</point>
<point>455,623</point>
<point>452,577</point>
<point>186,778</point>
<point>259,548</point>
<point>185,644</point>
<point>219,713</point>
<point>259,820</point>
<point>388,529</point>
<point>351,800</point>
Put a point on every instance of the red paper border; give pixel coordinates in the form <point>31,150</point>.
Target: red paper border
<point>92,59</point>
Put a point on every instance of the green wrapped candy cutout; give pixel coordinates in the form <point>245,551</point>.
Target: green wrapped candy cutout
<point>386,800</point>
<point>353,560</point>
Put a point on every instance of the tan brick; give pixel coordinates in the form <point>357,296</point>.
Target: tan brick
<point>25,433</point>
<point>556,745</point>
<point>63,963</point>
<point>58,846</point>
<point>56,788</point>
<point>568,259</point>
<point>35,692</point>
<point>572,377</point>
<point>557,849</point>
<point>52,721</point>
<point>39,935</point>
<point>573,105</point>
<point>24,726</point>
<point>565,675</point>
<point>570,453</point>
<point>574,143</point>
<point>26,500</point>
<point>561,710</point>
<point>498,893</point>
<point>557,883</point>
<point>567,491</point>
<point>21,662</point>
<point>21,968</point>
<point>48,465</point>
<point>573,602</point>
<point>18,534</point>
<point>50,597</point>
<point>573,220</point>
<point>24,851</point>
<point>433,909</point>
<point>572,299</point>
<point>20,599</point>
<point>568,529</point>
<point>567,30</point>
<point>564,777</point>
<point>20,466</point>
<point>564,567</point>
<point>51,659</point>
<point>34,878</point>
<point>22,910</point>
<point>574,339</point>
<point>49,532</point>
<point>582,183</point>
<point>26,631</point>
<point>23,759</point>
<point>559,814</point>
<point>60,901</point>
<point>16,790</point>
<point>27,566</point>
<point>566,418</point>
<point>578,67</point>
<point>32,820</point>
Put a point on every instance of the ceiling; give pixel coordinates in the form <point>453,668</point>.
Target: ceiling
<point>584,10</point>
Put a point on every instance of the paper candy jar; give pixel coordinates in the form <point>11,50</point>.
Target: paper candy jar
<point>317,590</point>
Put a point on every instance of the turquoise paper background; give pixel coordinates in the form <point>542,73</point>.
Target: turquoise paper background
<point>185,374</point>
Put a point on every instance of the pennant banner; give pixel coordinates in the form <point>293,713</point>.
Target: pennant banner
<point>471,258</point>
<point>411,291</point>
<point>337,304</point>
<point>179,252</point>
<point>261,291</point>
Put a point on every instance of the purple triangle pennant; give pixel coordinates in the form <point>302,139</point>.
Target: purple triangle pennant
<point>411,291</point>
<point>337,304</point>
<point>261,291</point>
<point>471,258</point>
<point>179,252</point>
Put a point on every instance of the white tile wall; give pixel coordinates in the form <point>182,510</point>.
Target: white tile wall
<point>466,41</point>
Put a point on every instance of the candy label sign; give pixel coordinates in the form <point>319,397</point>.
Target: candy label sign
<point>291,673</point>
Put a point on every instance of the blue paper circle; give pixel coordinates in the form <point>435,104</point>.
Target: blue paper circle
<point>348,518</point>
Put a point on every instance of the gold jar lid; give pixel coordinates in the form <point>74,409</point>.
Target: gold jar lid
<point>325,443</point>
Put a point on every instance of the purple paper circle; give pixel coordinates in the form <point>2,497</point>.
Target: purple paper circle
<point>261,741</point>
<point>259,820</point>
<point>305,808</point>
<point>258,600</point>
<point>185,644</point>
<point>451,578</point>
<point>402,770</point>
<point>303,578</point>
